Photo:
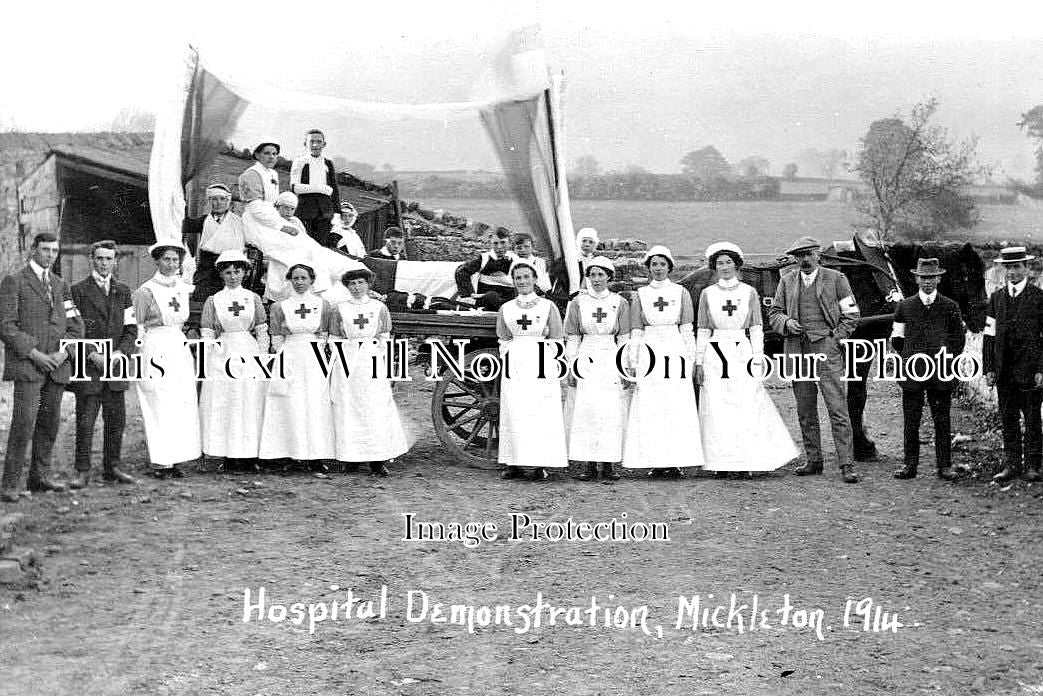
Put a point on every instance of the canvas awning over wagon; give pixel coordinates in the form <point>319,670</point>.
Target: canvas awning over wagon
<point>205,109</point>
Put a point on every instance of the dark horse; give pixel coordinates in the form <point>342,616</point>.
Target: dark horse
<point>873,273</point>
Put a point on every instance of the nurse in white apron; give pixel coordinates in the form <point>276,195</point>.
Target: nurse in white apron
<point>595,321</point>
<point>231,407</point>
<point>532,427</point>
<point>663,426</point>
<point>167,388</point>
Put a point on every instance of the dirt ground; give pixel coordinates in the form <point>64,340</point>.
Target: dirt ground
<point>143,589</point>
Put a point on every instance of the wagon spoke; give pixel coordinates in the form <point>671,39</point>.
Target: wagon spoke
<point>474,433</point>
<point>469,389</point>
<point>457,422</point>
<point>468,404</point>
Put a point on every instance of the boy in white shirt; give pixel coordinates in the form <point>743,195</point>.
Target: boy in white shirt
<point>314,180</point>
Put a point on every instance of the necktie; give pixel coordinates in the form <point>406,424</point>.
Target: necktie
<point>47,287</point>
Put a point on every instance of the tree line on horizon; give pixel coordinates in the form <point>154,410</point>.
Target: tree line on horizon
<point>916,175</point>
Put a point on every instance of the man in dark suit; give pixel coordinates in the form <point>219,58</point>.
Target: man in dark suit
<point>108,314</point>
<point>925,324</point>
<point>1013,355</point>
<point>813,309</point>
<point>36,314</point>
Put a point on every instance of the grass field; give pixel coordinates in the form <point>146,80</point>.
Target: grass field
<point>758,227</point>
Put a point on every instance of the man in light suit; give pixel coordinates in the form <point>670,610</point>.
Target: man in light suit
<point>924,324</point>
<point>108,314</point>
<point>36,313</point>
<point>814,310</point>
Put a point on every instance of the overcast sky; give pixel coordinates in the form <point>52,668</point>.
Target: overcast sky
<point>646,81</point>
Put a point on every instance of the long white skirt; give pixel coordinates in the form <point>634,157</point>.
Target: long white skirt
<point>366,421</point>
<point>298,415</point>
<point>742,429</point>
<point>231,410</point>
<point>597,410</point>
<point>663,425</point>
<point>532,426</point>
<point>169,407</point>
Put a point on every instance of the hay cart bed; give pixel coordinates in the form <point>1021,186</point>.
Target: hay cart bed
<point>465,411</point>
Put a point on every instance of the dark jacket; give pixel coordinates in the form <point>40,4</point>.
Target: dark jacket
<point>927,330</point>
<point>318,205</point>
<point>382,253</point>
<point>28,321</point>
<point>105,317</point>
<point>1013,342</point>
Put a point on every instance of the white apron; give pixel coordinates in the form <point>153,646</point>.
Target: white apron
<point>231,410</point>
<point>367,424</point>
<point>742,429</point>
<point>663,425</point>
<point>298,417</point>
<point>169,407</point>
<point>532,428</point>
<point>597,408</point>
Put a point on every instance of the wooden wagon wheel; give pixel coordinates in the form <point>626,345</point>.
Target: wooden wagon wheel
<point>466,415</point>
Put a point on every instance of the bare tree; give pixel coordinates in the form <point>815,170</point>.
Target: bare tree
<point>915,174</point>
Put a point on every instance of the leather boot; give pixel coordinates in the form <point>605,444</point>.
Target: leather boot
<point>1032,475</point>
<point>511,472</point>
<point>80,480</point>
<point>608,472</point>
<point>590,473</point>
<point>1009,473</point>
<point>118,476</point>
<point>539,474</point>
<point>378,469</point>
<point>947,473</point>
<point>908,471</point>
<point>809,469</point>
<point>848,474</point>
<point>47,484</point>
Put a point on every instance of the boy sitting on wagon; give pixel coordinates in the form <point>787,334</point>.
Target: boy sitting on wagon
<point>494,286</point>
<point>394,248</point>
<point>524,249</point>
